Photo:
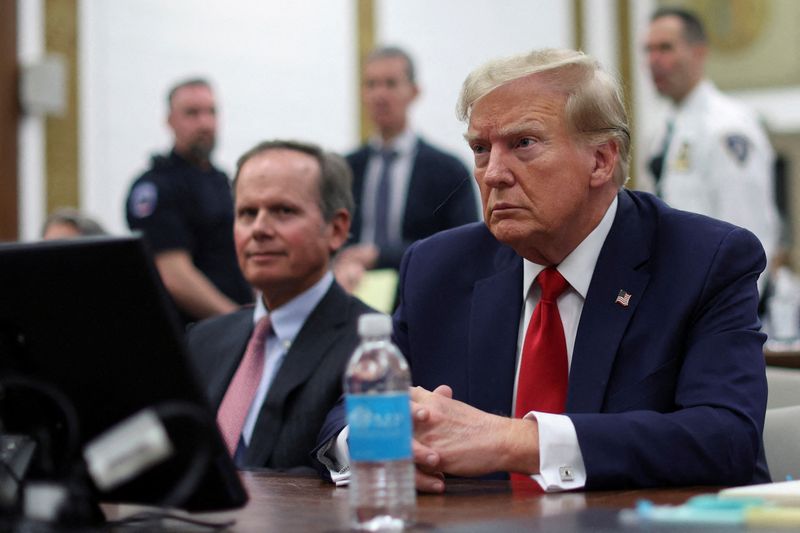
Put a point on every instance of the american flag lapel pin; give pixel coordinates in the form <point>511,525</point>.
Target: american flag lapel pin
<point>623,298</point>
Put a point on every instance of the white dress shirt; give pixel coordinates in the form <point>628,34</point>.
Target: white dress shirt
<point>286,322</point>
<point>560,460</point>
<point>719,163</point>
<point>405,148</point>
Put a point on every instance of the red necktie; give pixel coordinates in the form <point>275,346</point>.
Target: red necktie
<point>242,389</point>
<point>542,380</point>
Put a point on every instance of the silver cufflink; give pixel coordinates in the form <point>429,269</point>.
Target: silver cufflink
<point>566,473</point>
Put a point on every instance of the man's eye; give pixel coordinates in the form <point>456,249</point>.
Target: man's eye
<point>525,142</point>
<point>246,213</point>
<point>478,149</point>
<point>284,210</point>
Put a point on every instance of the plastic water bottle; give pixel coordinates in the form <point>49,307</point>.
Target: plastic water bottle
<point>382,488</point>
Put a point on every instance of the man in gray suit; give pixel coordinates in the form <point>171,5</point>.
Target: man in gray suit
<point>273,371</point>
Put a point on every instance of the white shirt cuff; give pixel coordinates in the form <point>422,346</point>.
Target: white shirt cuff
<point>560,460</point>
<point>336,458</point>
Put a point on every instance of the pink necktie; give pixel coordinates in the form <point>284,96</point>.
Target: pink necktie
<point>242,389</point>
<point>542,381</point>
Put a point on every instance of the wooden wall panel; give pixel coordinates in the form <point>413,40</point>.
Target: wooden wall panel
<point>62,141</point>
<point>9,119</point>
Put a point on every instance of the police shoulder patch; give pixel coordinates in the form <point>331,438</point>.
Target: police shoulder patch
<point>738,146</point>
<point>144,198</point>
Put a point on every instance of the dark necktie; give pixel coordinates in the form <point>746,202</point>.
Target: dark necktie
<point>656,164</point>
<point>383,198</point>
<point>242,388</point>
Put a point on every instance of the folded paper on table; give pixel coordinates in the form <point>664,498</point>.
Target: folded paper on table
<point>782,492</point>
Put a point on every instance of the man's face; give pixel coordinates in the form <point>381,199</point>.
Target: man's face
<point>193,119</point>
<point>533,175</point>
<point>675,64</point>
<point>60,230</point>
<point>283,244</point>
<point>387,94</point>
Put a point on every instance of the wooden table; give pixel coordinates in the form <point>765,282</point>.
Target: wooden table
<point>784,358</point>
<point>288,503</point>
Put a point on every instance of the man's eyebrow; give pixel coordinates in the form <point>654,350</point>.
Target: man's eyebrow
<point>521,127</point>
<point>469,137</point>
<point>511,130</point>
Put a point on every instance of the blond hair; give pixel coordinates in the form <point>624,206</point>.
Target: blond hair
<point>594,108</point>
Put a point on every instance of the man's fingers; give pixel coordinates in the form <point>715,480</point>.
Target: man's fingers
<point>419,413</point>
<point>418,393</point>
<point>424,456</point>
<point>433,482</point>
<point>443,390</point>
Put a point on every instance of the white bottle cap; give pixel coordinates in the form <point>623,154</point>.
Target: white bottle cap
<point>374,325</point>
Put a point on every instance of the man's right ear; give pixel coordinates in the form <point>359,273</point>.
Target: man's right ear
<point>606,158</point>
<point>339,226</point>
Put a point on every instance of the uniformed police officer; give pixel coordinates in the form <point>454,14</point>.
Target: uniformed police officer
<point>712,156</point>
<point>184,207</point>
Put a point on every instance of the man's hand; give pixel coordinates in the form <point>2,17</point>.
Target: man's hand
<point>454,438</point>
<point>351,263</point>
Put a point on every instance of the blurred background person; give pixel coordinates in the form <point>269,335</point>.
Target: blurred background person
<point>405,189</point>
<point>712,155</point>
<point>68,223</point>
<point>183,205</point>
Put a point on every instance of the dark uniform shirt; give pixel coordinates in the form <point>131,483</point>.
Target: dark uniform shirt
<point>182,207</point>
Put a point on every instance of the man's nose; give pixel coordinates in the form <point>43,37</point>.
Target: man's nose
<point>497,173</point>
<point>379,90</point>
<point>263,224</point>
<point>653,58</point>
<point>208,120</point>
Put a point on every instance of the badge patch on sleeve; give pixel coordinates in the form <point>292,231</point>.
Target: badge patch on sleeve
<point>144,198</point>
<point>738,146</point>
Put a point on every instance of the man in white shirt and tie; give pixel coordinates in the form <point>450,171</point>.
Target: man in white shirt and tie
<point>405,189</point>
<point>583,336</point>
<point>275,369</point>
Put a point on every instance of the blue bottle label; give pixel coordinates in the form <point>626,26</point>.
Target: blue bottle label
<point>380,426</point>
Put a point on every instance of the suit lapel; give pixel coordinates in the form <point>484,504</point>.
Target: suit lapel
<point>319,332</point>
<point>234,341</point>
<point>414,180</point>
<point>358,164</point>
<point>493,331</point>
<point>603,322</point>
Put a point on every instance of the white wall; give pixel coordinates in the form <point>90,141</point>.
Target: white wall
<point>287,69</point>
<point>600,31</point>
<point>447,39</point>
<point>280,69</point>
<point>30,48</point>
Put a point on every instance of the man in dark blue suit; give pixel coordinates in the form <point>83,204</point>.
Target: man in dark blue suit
<point>666,381</point>
<point>405,189</point>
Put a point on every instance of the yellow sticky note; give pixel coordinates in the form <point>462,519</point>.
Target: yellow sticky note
<point>377,289</point>
<point>773,516</point>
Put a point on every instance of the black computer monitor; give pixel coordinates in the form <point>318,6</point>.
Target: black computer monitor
<point>91,318</point>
